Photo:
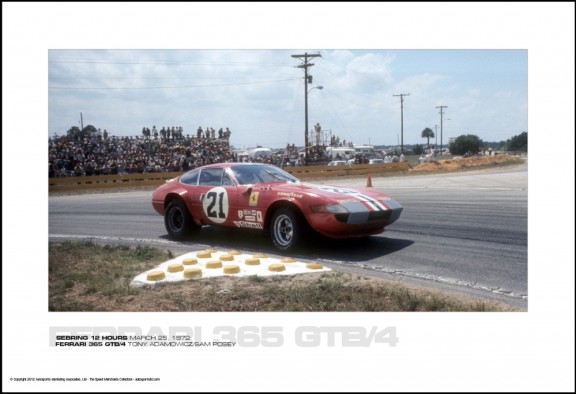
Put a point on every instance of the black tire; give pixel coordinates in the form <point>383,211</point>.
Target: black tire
<point>287,229</point>
<point>178,220</point>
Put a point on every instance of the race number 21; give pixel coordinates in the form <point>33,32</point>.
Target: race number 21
<point>215,205</point>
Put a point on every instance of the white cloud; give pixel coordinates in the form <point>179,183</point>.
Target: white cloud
<point>259,94</point>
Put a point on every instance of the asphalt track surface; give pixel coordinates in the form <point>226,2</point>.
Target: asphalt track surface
<point>465,232</point>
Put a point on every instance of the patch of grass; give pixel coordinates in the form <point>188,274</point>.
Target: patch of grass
<point>144,252</point>
<point>80,273</point>
<point>88,277</point>
<point>255,279</point>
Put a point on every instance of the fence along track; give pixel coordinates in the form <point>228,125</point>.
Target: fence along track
<point>157,178</point>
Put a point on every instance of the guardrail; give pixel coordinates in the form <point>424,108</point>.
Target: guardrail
<point>109,181</point>
<point>157,178</point>
<point>345,170</point>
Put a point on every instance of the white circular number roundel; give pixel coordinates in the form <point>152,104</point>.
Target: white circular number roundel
<point>215,205</point>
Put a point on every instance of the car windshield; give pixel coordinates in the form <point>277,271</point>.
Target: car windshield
<point>253,174</point>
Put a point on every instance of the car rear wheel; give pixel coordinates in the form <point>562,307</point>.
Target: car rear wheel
<point>178,220</point>
<point>286,229</point>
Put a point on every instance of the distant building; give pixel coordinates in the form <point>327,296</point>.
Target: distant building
<point>364,149</point>
<point>259,152</point>
<point>334,152</point>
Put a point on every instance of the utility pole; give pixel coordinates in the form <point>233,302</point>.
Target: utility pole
<point>307,79</point>
<point>441,114</point>
<point>401,95</point>
<point>436,135</point>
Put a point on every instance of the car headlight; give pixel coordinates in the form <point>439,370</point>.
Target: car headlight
<point>328,208</point>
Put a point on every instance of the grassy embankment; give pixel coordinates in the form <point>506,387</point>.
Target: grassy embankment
<point>84,276</point>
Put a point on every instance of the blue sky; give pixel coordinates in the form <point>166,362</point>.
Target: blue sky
<point>259,94</point>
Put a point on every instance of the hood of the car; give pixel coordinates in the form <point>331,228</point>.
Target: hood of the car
<point>336,193</point>
<point>361,204</point>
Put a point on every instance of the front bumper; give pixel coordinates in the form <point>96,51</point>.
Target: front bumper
<point>353,224</point>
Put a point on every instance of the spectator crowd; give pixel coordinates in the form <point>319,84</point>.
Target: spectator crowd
<point>166,150</point>
<point>93,152</point>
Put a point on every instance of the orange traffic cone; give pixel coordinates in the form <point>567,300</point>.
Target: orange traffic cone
<point>369,181</point>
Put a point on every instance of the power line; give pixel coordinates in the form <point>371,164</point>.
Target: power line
<point>171,87</point>
<point>150,78</point>
<point>307,78</point>
<point>372,80</point>
<point>164,62</point>
<point>401,95</point>
<point>441,114</point>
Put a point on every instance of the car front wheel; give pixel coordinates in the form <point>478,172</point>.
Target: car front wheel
<point>178,220</point>
<point>286,229</point>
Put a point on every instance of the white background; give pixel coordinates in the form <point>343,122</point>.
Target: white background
<point>531,351</point>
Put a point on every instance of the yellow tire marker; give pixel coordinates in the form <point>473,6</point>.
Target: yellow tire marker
<point>226,257</point>
<point>175,267</point>
<point>214,264</point>
<point>231,269</point>
<point>155,275</point>
<point>194,272</point>
<point>276,267</point>
<point>252,261</point>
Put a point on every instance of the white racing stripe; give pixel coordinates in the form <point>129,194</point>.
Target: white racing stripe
<point>375,205</point>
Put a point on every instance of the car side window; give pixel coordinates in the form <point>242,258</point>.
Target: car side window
<point>244,175</point>
<point>211,177</point>
<point>190,178</point>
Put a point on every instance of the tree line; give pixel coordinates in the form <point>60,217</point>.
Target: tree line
<point>472,144</point>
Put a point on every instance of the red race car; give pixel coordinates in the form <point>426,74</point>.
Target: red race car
<point>264,197</point>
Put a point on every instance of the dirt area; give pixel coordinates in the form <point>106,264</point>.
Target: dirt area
<point>313,292</point>
<point>465,163</point>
